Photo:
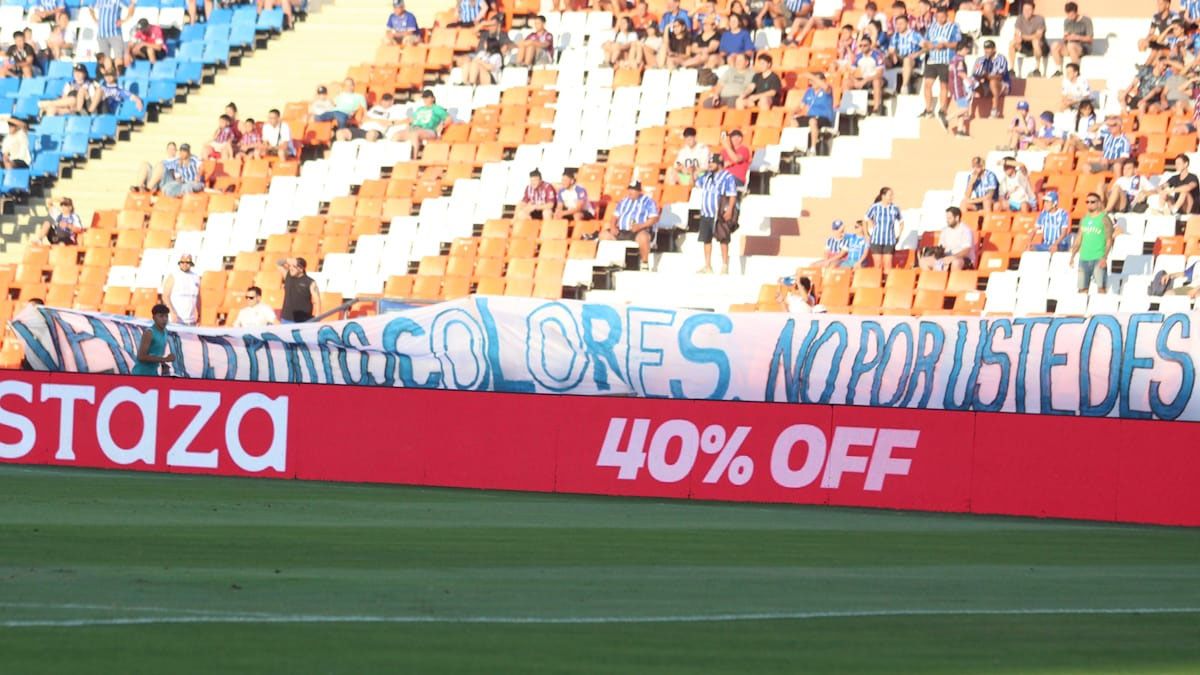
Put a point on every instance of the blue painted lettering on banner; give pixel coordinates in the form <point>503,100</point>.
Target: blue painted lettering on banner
<point>1172,410</point>
<point>704,355</point>
<point>450,351</point>
<point>1050,360</point>
<point>960,344</point>
<point>646,347</point>
<point>931,338</point>
<point>1131,362</point>
<point>600,352</point>
<point>870,341</point>
<point>792,368</point>
<point>834,329</point>
<point>101,333</point>
<point>492,351</point>
<point>1112,386</point>
<point>988,356</point>
<point>231,360</point>
<point>352,330</point>
<point>1027,326</point>
<point>900,330</point>
<point>404,365</point>
<point>553,318</point>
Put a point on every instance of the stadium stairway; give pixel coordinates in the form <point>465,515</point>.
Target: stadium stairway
<point>286,70</point>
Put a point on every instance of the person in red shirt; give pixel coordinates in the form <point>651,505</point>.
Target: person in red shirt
<point>538,46</point>
<point>146,43</point>
<point>736,155</point>
<point>539,199</point>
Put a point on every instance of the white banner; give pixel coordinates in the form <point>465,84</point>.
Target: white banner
<point>1132,366</point>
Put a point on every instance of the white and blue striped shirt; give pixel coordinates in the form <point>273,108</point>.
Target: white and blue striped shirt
<point>885,218</point>
<point>51,5</point>
<point>854,246</point>
<point>906,43</point>
<point>469,11</point>
<point>1192,9</point>
<point>108,12</point>
<point>1053,224</point>
<point>632,211</point>
<point>1115,147</point>
<point>943,32</point>
<point>181,172</point>
<point>795,6</point>
<point>715,186</point>
<point>986,185</point>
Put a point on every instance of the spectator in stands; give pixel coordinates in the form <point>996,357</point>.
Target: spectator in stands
<point>704,10</point>
<point>625,40</point>
<point>53,12</point>
<point>181,292</point>
<point>677,43</point>
<point>636,216</point>
<point>15,148</point>
<point>79,96</point>
<point>884,223</point>
<point>301,296</point>
<point>990,20</point>
<point>870,14</point>
<point>146,42</point>
<point>705,45</point>
<point>63,226</point>
<point>735,155</point>
<point>1075,89</point>
<point>539,199</point>
<point>816,110</point>
<point>112,95</point>
<point>483,67</point>
<point>904,51</point>
<point>320,104</point>
<point>277,136</point>
<point>736,40</point>
<point>1053,226</point>
<point>718,211</point>
<point>962,90</point>
<point>1131,191</point>
<point>1160,21</point>
<point>402,28</point>
<point>104,66</point>
<point>149,176</point>
<point>224,143</point>
<point>737,7</point>
<point>786,15</point>
<point>940,41</point>
<point>689,160</point>
<point>346,105</point>
<point>923,17</point>
<point>255,314</point>
<point>231,110</point>
<point>250,145</point>
<point>1016,190</point>
<point>983,188</point>
<point>1093,245</point>
<point>109,15</point>
<point>734,83</point>
<point>1022,128</point>
<point>1077,38</point>
<point>1181,192</point>
<point>956,246</point>
<point>384,119</point>
<point>764,86</point>
<point>473,12</point>
<point>1046,137</point>
<point>1030,37</point>
<point>994,80</point>
<point>651,50</point>
<point>573,202</point>
<point>796,293</point>
<point>182,175</point>
<point>641,16</point>
<point>1114,147</point>
<point>20,57</point>
<point>1148,92</point>
<point>867,73</point>
<point>152,354</point>
<point>845,249</point>
<point>537,47</point>
<point>674,14</point>
<point>426,122</point>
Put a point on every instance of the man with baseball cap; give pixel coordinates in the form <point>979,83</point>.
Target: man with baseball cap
<point>183,174</point>
<point>402,25</point>
<point>181,291</point>
<point>1053,226</point>
<point>845,249</point>
<point>636,214</point>
<point>146,42</point>
<point>1022,128</point>
<point>718,210</point>
<point>426,122</point>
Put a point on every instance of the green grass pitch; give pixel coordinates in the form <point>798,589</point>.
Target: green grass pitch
<point>106,572</point>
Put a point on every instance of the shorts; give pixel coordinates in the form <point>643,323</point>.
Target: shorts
<point>113,46</point>
<point>1064,247</point>
<point>937,71</point>
<point>626,235</point>
<point>1016,204</point>
<point>964,103</point>
<point>883,249</point>
<point>714,228</point>
<point>1092,270</point>
<point>1026,47</point>
<point>822,123</point>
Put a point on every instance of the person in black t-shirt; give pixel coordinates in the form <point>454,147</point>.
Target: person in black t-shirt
<point>764,86</point>
<point>1182,191</point>
<point>19,58</point>
<point>301,297</point>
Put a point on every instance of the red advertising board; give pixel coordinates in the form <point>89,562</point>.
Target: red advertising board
<point>1102,469</point>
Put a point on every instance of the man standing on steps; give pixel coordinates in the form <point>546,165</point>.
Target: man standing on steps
<point>301,297</point>
<point>109,15</point>
<point>940,41</point>
<point>718,209</point>
<point>1092,246</point>
<point>181,292</point>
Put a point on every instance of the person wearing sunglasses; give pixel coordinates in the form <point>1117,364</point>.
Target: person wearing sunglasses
<point>1092,246</point>
<point>255,313</point>
<point>181,292</point>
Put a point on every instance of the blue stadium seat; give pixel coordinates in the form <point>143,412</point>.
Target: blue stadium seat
<point>174,4</point>
<point>242,35</point>
<point>220,15</point>
<point>60,69</point>
<point>32,86</point>
<point>217,32</point>
<point>54,126</point>
<point>137,85</point>
<point>45,143</point>
<point>54,87</point>
<point>104,128</point>
<point>16,181</point>
<point>149,4</point>
<point>75,147</point>
<point>189,72</point>
<point>191,51</point>
<point>77,124</point>
<point>128,112</point>
<point>270,20</point>
<point>26,108</point>
<point>192,32</point>
<point>164,70</point>
<point>245,15</point>
<point>162,92</point>
<point>6,105</point>
<point>216,52</point>
<point>139,69</point>
<point>45,165</point>
<point>9,86</point>
<point>91,68</point>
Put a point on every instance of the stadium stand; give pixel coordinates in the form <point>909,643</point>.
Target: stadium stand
<point>378,219</point>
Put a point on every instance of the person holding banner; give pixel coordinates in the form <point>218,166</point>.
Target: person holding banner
<point>884,223</point>
<point>1092,246</point>
<point>152,350</point>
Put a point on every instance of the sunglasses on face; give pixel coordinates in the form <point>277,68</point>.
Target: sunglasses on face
<point>251,297</point>
<point>186,262</point>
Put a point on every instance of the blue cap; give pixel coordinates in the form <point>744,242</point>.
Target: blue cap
<point>837,224</point>
<point>1023,105</point>
<point>1051,196</point>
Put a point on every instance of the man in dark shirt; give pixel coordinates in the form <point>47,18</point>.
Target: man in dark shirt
<point>1182,191</point>
<point>1077,38</point>
<point>301,298</point>
<point>20,57</point>
<point>764,86</point>
<point>1159,22</point>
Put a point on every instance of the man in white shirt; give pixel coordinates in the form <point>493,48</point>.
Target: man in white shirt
<point>957,242</point>
<point>382,119</point>
<point>688,161</point>
<point>277,135</point>
<point>255,314</point>
<point>181,291</point>
<point>1074,88</point>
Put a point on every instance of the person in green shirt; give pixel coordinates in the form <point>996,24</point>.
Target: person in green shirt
<point>345,105</point>
<point>1092,246</point>
<point>426,123</point>
<point>152,351</point>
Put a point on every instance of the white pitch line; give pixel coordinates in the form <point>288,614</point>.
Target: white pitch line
<point>579,620</point>
<point>128,608</point>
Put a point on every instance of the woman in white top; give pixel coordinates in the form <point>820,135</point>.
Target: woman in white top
<point>16,146</point>
<point>484,67</point>
<point>626,35</point>
<point>652,44</point>
<point>797,293</point>
<point>181,291</point>
<point>63,226</point>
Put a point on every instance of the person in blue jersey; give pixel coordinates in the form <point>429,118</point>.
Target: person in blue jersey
<point>636,216</point>
<point>736,40</point>
<point>672,14</point>
<point>109,15</point>
<point>992,75</point>
<point>152,354</point>
<point>1053,226</point>
<point>718,209</point>
<point>941,40</point>
<point>816,109</point>
<point>884,221</point>
<point>845,249</point>
<point>905,50</point>
<point>983,188</point>
<point>402,25</point>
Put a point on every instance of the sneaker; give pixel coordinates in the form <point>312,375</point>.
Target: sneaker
<point>945,122</point>
<point>725,270</point>
<point>927,113</point>
<point>645,266</point>
<point>1036,73</point>
<point>1057,73</point>
<point>995,114</point>
<point>705,270</point>
<point>960,133</point>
